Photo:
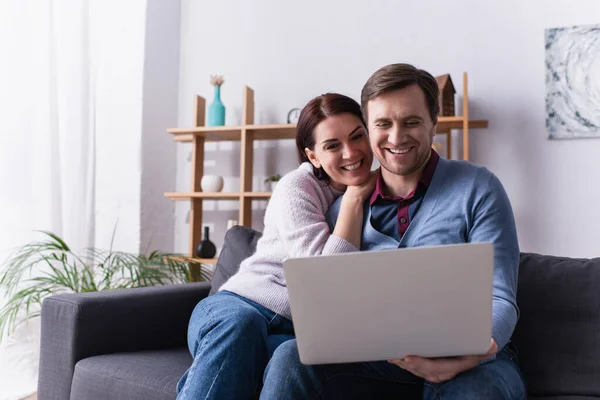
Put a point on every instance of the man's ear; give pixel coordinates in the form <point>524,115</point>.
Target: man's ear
<point>312,157</point>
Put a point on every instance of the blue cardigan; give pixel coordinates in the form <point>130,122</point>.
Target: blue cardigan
<point>464,203</point>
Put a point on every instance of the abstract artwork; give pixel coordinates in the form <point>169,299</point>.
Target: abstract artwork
<point>573,82</point>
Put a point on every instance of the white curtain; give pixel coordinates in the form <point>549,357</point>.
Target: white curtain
<point>47,146</point>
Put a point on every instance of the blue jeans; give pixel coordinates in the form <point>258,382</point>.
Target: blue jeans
<point>231,339</point>
<point>286,376</point>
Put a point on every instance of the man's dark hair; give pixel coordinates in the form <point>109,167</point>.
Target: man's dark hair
<point>398,76</point>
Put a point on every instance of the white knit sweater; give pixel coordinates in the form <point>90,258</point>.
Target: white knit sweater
<point>295,226</point>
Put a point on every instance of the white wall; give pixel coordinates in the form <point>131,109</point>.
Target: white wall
<point>291,52</point>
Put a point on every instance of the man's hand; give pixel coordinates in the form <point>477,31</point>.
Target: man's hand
<point>438,370</point>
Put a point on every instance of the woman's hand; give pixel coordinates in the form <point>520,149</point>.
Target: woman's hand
<point>360,193</point>
<point>350,218</point>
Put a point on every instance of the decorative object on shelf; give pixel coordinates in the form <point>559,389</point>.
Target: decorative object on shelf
<point>211,183</point>
<point>206,248</point>
<point>271,182</point>
<point>216,110</point>
<point>293,115</point>
<point>572,73</point>
<point>92,270</point>
<point>231,223</point>
<point>446,96</point>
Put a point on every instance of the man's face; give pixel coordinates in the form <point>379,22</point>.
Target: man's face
<point>401,130</point>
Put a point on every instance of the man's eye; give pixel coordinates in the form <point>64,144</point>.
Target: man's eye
<point>382,124</point>
<point>412,124</point>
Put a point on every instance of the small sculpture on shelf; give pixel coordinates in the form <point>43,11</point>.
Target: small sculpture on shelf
<point>206,248</point>
<point>446,96</point>
<point>216,110</point>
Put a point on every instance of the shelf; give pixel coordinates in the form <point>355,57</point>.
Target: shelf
<point>219,133</point>
<point>216,196</point>
<point>205,260</point>
<point>445,123</point>
<point>269,132</point>
<point>257,195</point>
<point>284,131</point>
<point>202,195</point>
<point>195,260</point>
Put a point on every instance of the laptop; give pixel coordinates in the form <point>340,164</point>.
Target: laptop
<point>382,305</point>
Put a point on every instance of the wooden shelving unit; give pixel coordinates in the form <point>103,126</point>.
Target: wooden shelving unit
<point>247,133</point>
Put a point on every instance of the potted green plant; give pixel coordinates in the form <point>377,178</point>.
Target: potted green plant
<point>271,182</point>
<point>60,270</point>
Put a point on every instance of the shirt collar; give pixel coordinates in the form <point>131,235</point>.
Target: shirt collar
<point>425,180</point>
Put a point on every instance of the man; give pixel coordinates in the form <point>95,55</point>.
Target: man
<point>420,199</point>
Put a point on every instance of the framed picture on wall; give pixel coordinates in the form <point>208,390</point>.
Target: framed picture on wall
<point>573,82</point>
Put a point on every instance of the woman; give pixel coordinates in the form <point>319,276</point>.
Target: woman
<point>232,333</point>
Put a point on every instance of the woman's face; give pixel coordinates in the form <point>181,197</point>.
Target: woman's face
<point>342,150</point>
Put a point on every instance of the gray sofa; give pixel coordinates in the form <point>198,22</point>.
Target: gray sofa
<point>131,344</point>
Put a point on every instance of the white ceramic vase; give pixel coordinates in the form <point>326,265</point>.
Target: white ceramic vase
<point>211,183</point>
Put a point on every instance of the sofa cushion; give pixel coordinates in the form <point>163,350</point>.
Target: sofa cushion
<point>239,244</point>
<point>558,332</point>
<point>145,375</point>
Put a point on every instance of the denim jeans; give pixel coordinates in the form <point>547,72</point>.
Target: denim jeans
<point>286,377</point>
<point>231,339</point>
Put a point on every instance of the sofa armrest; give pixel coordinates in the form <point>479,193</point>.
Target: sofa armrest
<point>81,325</point>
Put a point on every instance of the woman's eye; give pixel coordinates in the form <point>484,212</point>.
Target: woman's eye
<point>332,146</point>
<point>358,136</point>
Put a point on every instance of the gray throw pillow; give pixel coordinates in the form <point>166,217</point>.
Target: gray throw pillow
<point>239,244</point>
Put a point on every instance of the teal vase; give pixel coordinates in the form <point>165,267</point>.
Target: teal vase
<point>216,110</point>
